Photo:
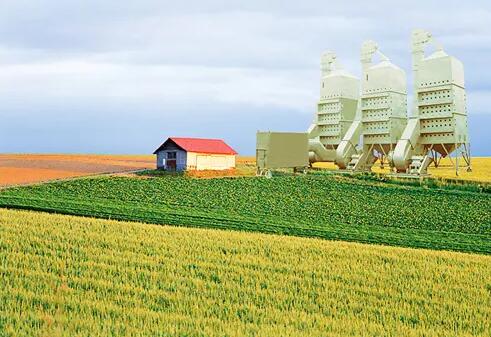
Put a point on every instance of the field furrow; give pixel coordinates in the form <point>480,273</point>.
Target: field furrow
<point>312,206</point>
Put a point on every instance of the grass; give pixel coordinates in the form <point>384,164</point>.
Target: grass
<point>425,182</point>
<point>314,206</point>
<point>481,170</point>
<point>70,276</point>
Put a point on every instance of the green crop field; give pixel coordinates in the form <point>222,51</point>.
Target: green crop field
<point>311,205</point>
<point>70,276</point>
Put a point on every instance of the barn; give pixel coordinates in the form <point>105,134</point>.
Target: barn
<point>178,154</point>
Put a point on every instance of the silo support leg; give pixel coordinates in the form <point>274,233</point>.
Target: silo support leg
<point>448,154</point>
<point>427,160</point>
<point>457,155</point>
<point>467,156</point>
<point>365,161</point>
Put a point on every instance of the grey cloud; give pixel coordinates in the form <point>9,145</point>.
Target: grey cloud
<point>153,58</point>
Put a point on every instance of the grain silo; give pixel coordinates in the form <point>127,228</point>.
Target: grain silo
<point>355,130</point>
<point>336,109</point>
<point>438,125</point>
<point>381,116</point>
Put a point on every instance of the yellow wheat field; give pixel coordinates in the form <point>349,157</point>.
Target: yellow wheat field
<point>481,169</point>
<point>69,276</point>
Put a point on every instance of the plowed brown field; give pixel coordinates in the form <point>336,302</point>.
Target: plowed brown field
<point>16,169</point>
<point>31,168</point>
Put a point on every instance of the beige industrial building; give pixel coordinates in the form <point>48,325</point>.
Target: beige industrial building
<point>360,122</point>
<point>179,154</point>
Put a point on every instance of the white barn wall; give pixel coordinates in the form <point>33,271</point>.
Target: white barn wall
<point>210,161</point>
<point>191,161</point>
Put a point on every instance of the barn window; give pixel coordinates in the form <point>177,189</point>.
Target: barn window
<point>171,155</point>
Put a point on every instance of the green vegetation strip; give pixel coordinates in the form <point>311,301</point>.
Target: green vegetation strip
<point>313,206</point>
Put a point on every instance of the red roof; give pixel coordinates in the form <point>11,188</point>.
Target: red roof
<point>201,145</point>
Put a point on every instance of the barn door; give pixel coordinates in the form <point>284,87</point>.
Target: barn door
<point>171,161</point>
<point>171,165</point>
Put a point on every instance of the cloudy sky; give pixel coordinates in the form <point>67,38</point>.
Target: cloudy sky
<point>119,76</point>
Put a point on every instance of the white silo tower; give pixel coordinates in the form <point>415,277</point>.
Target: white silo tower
<point>438,126</point>
<point>336,109</point>
<point>382,114</point>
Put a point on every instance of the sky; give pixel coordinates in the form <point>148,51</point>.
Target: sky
<point>120,76</point>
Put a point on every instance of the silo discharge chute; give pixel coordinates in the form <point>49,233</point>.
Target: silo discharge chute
<point>336,110</point>
<point>438,125</point>
<point>382,113</point>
